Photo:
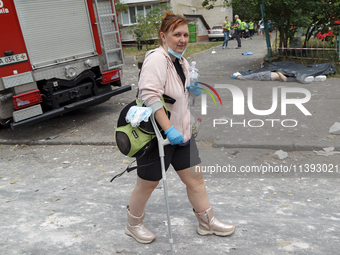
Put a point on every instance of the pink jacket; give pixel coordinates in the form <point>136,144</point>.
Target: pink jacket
<point>158,77</point>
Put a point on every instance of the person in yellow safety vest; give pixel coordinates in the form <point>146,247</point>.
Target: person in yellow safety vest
<point>237,29</point>
<point>226,29</point>
<point>251,29</point>
<point>243,27</point>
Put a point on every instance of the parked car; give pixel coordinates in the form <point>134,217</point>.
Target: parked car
<point>216,32</point>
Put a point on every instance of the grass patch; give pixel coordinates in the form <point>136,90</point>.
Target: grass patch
<point>133,51</point>
<point>193,48</point>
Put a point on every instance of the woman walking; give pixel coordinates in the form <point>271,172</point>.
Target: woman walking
<point>166,72</point>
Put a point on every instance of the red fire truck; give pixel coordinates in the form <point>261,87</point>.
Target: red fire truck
<point>57,56</point>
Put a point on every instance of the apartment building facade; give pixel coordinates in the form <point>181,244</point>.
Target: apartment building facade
<point>192,9</point>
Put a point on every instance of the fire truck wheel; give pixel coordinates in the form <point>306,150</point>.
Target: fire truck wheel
<point>5,123</point>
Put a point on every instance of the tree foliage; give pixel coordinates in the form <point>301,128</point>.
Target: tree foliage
<point>287,15</point>
<point>121,7</point>
<point>148,25</point>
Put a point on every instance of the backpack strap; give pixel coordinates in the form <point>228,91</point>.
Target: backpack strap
<point>140,70</point>
<point>129,168</point>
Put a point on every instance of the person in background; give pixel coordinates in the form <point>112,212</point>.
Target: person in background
<point>237,30</point>
<point>251,29</point>
<point>261,24</point>
<point>270,28</point>
<point>226,30</point>
<point>138,36</point>
<point>261,76</point>
<point>244,32</point>
<point>242,26</point>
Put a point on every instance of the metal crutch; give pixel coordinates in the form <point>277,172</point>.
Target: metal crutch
<point>161,143</point>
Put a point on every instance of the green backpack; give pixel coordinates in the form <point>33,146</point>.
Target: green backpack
<point>135,141</point>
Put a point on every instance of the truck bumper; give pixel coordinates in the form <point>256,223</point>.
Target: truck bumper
<point>71,107</point>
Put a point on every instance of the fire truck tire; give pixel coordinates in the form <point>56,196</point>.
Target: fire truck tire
<point>102,90</point>
<point>5,123</point>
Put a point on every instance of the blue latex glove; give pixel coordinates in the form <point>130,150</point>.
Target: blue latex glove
<point>195,88</point>
<point>174,136</point>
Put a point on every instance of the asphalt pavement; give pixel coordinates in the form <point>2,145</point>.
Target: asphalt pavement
<point>277,182</point>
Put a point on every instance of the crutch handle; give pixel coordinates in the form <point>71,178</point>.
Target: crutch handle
<point>166,141</point>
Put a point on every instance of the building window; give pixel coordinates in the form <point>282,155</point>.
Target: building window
<point>147,8</point>
<point>129,18</point>
<point>125,18</point>
<point>140,9</point>
<point>132,12</point>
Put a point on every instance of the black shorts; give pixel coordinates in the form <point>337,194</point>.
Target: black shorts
<point>180,157</point>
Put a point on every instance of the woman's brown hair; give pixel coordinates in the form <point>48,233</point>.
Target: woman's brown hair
<point>170,22</point>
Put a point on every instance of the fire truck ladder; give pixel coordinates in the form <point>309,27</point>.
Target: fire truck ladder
<point>109,33</point>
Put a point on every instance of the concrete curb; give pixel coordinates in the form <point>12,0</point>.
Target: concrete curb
<point>51,142</point>
<point>267,145</point>
<point>283,145</point>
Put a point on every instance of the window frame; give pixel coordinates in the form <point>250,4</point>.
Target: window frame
<point>136,12</point>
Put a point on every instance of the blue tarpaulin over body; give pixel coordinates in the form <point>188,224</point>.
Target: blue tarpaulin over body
<point>300,72</point>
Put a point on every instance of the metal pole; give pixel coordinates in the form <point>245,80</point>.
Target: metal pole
<point>161,143</point>
<point>338,47</point>
<point>266,32</point>
<point>171,241</point>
